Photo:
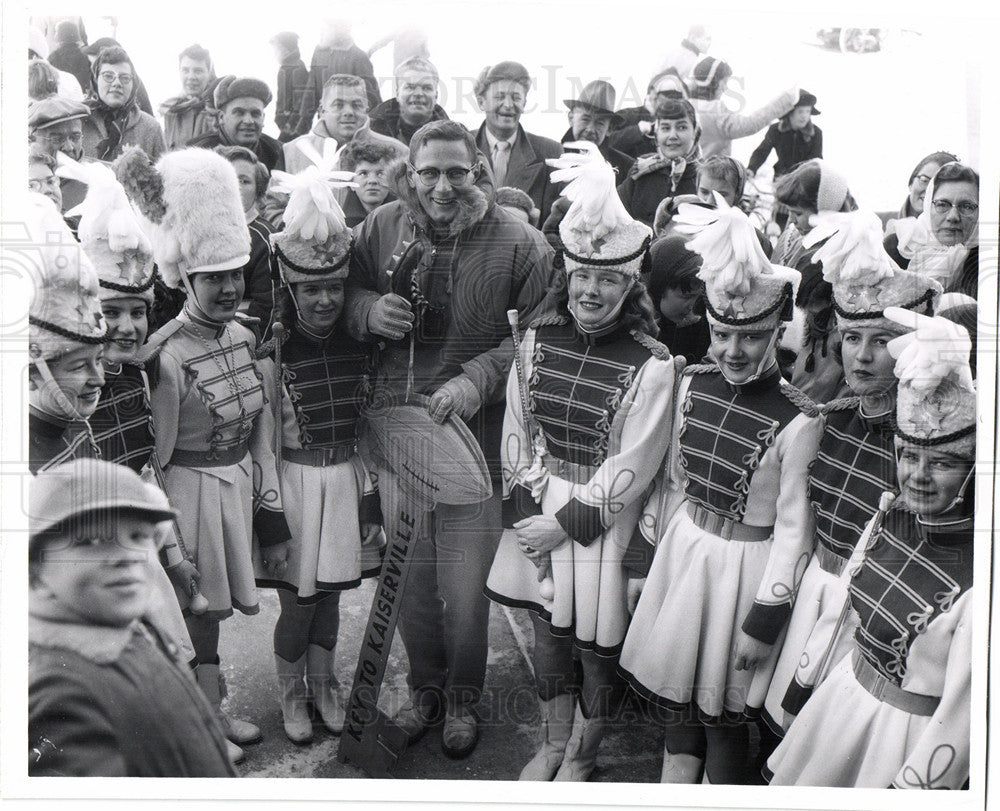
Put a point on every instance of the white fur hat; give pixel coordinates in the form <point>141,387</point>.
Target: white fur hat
<point>744,291</point>
<point>65,312</point>
<point>192,199</point>
<point>936,404</point>
<point>597,231</point>
<point>865,280</point>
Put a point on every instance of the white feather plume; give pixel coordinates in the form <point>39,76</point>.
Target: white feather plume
<point>853,249</point>
<point>105,212</point>
<point>726,240</point>
<point>935,349</point>
<point>312,213</point>
<point>595,207</point>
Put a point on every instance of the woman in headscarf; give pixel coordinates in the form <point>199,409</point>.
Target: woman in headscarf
<point>943,242</point>
<point>115,118</point>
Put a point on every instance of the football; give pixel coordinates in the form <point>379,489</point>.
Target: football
<point>435,464</point>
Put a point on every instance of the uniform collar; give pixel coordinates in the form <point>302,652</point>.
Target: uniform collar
<point>768,380</point>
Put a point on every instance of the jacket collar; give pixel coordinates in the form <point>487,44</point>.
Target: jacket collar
<point>808,132</point>
<point>472,211</point>
<point>50,627</point>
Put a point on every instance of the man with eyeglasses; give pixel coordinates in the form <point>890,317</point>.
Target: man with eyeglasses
<point>115,118</point>
<point>471,261</point>
<point>415,104</point>
<point>55,125</point>
<point>516,157</point>
<point>241,102</point>
<point>343,119</point>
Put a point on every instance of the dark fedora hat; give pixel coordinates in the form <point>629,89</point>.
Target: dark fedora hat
<point>807,99</point>
<point>598,96</point>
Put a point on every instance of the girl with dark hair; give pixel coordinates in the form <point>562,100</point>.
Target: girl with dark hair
<point>916,187</point>
<point>586,427</point>
<point>670,170</point>
<point>115,118</point>
<point>333,511</point>
<point>728,524</point>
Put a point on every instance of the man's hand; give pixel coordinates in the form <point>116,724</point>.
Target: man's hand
<point>749,652</point>
<point>459,395</point>
<point>390,317</point>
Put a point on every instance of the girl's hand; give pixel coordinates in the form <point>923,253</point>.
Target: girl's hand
<point>749,652</point>
<point>633,592</point>
<point>370,534</point>
<point>539,534</point>
<point>275,558</point>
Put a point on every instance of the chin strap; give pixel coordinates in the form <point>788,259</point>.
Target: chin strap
<point>609,318</point>
<point>761,368</point>
<point>54,390</point>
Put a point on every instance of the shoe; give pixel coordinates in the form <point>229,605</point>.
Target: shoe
<point>235,754</point>
<point>292,693</point>
<point>557,725</point>
<point>418,715</point>
<point>580,758</point>
<point>460,734</point>
<point>213,685</point>
<point>680,768</point>
<point>323,686</point>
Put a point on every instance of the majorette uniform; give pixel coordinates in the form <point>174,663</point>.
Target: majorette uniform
<point>603,404</point>
<point>733,529</point>
<point>856,462</point>
<point>896,710</point>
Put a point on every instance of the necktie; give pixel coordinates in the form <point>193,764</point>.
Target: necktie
<point>501,155</point>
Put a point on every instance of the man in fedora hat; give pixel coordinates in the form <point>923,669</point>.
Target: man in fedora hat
<point>591,118</point>
<point>516,157</point>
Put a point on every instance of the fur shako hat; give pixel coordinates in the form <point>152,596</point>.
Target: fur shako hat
<point>865,280</point>
<point>315,243</point>
<point>936,404</point>
<point>65,312</point>
<point>192,200</point>
<point>597,231</point>
<point>744,291</point>
<point>110,232</point>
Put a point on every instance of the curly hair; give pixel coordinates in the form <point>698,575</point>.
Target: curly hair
<point>637,311</point>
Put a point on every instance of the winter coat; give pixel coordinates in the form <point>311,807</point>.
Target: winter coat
<point>385,120</point>
<point>791,146</point>
<point>268,149</point>
<point>488,263</point>
<point>720,127</point>
<point>296,160</point>
<point>70,58</point>
<point>642,195</point>
<point>293,80</point>
<point>187,117</point>
<point>141,130</point>
<point>116,702</point>
<point>526,167</point>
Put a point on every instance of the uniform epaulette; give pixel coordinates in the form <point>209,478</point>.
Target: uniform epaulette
<point>157,341</point>
<point>701,368</point>
<point>656,349</point>
<point>549,320</point>
<point>266,349</point>
<point>248,322</point>
<point>800,399</point>
<point>840,404</point>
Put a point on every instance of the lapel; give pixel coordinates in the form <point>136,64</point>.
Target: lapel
<point>524,166</point>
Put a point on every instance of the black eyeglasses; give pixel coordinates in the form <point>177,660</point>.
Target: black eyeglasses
<point>965,208</point>
<point>457,176</point>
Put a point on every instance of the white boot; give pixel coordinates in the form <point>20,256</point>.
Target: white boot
<point>580,758</point>
<point>213,685</point>
<point>292,692</point>
<point>557,725</point>
<point>323,687</point>
<point>680,768</point>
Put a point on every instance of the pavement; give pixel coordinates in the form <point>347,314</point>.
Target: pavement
<point>631,751</point>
